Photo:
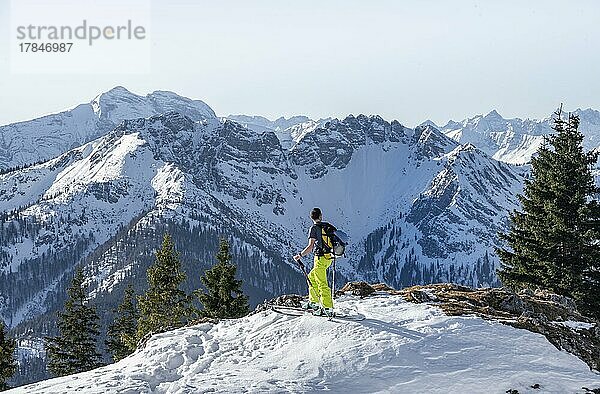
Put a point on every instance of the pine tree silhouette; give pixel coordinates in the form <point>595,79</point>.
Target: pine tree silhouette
<point>224,297</point>
<point>164,305</point>
<point>122,333</point>
<point>8,363</point>
<point>74,349</point>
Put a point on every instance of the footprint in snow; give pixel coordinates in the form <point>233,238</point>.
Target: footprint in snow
<point>175,361</point>
<point>193,353</point>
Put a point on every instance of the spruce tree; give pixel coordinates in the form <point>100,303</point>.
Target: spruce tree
<point>74,349</point>
<point>122,333</point>
<point>164,305</point>
<point>8,363</point>
<point>553,241</point>
<point>589,292</point>
<point>224,297</point>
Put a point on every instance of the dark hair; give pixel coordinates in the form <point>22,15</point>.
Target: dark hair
<point>315,214</point>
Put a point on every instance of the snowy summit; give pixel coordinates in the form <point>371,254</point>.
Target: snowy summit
<point>400,347</point>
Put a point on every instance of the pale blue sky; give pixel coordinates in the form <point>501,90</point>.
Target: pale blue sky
<point>405,60</point>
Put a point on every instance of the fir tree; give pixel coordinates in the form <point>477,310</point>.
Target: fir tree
<point>554,239</point>
<point>122,340</point>
<point>224,297</point>
<point>74,349</point>
<point>8,364</point>
<point>589,292</point>
<point>164,305</point>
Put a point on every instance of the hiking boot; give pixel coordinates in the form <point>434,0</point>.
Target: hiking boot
<point>324,312</point>
<point>310,305</point>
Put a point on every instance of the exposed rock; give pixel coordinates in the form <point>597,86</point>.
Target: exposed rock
<point>512,303</point>
<point>361,289</point>
<point>528,292</point>
<point>558,299</point>
<point>202,320</point>
<point>333,144</point>
<point>382,287</point>
<point>420,296</point>
<point>291,300</point>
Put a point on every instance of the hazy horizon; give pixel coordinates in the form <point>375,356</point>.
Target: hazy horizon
<point>273,118</point>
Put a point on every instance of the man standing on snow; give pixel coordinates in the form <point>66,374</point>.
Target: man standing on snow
<point>319,294</point>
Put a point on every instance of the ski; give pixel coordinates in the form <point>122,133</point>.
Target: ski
<point>294,311</point>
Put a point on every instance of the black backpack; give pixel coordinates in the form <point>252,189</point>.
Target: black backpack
<point>329,243</point>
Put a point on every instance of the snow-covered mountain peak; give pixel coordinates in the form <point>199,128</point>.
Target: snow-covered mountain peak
<point>47,137</point>
<point>452,124</point>
<point>465,148</point>
<point>589,116</point>
<point>119,103</point>
<point>493,115</point>
<point>429,122</point>
<point>288,130</point>
<point>113,94</point>
<point>490,122</point>
<point>283,123</point>
<point>257,122</point>
<point>432,142</point>
<point>516,140</point>
<point>164,101</point>
<point>373,127</point>
<point>471,158</point>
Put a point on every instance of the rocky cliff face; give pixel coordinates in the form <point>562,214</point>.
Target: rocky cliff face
<point>333,145</point>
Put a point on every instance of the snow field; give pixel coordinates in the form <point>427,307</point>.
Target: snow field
<point>400,348</point>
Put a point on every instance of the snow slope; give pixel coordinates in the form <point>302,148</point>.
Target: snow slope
<point>400,348</point>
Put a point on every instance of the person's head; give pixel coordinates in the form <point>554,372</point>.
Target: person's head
<point>316,215</point>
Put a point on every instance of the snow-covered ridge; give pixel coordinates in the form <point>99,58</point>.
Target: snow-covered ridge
<point>119,104</point>
<point>516,140</point>
<point>400,347</point>
<point>44,138</point>
<point>512,140</point>
<point>289,130</point>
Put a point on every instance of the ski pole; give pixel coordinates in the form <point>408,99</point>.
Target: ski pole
<point>333,281</point>
<point>305,274</point>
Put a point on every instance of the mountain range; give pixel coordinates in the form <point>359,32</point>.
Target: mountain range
<point>516,140</point>
<point>99,184</point>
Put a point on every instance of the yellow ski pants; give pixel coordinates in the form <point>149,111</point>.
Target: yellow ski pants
<point>319,291</point>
